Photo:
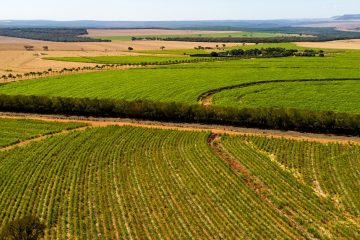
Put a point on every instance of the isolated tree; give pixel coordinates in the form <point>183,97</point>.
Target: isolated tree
<point>224,45</point>
<point>46,48</point>
<point>162,48</point>
<point>26,228</point>
<point>130,48</point>
<point>214,54</point>
<point>29,48</point>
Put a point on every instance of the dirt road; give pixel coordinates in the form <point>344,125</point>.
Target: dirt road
<point>102,122</point>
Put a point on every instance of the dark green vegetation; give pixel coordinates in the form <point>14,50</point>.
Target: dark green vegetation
<point>15,130</point>
<point>267,53</point>
<point>135,183</point>
<point>50,34</point>
<point>299,34</point>
<point>26,228</point>
<point>268,118</point>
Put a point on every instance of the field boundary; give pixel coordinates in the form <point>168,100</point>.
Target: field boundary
<point>251,180</point>
<point>193,127</point>
<point>206,98</point>
<point>39,138</point>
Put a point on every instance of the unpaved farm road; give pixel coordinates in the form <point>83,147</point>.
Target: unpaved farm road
<point>215,129</point>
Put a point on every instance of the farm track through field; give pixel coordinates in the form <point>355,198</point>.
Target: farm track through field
<point>253,182</point>
<point>215,129</point>
<point>40,138</point>
<point>206,99</point>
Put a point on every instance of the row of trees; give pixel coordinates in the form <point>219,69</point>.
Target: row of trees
<point>51,72</point>
<point>268,52</point>
<point>265,118</point>
<point>50,34</point>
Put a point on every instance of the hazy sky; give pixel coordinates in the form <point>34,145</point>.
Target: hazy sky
<point>174,9</point>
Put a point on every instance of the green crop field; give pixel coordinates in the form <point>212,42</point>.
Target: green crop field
<point>187,82</point>
<point>16,130</point>
<point>338,96</point>
<point>136,183</point>
<point>212,35</point>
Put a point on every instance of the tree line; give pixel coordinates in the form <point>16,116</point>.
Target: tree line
<point>53,72</point>
<point>268,53</point>
<point>50,34</point>
<point>263,118</point>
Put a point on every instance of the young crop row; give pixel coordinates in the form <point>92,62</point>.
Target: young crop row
<point>134,183</point>
<point>339,96</point>
<point>316,185</point>
<point>15,130</point>
<point>333,170</point>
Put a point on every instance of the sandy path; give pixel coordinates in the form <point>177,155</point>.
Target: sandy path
<point>143,32</point>
<point>102,122</point>
<point>343,44</point>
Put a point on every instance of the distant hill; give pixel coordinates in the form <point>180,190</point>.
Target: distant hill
<point>214,24</point>
<point>348,17</point>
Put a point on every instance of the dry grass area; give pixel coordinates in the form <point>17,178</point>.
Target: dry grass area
<point>142,32</point>
<point>21,61</point>
<point>343,44</point>
<point>14,57</point>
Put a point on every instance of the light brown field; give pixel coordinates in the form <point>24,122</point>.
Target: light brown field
<point>142,32</point>
<point>14,57</point>
<point>341,25</point>
<point>343,44</point>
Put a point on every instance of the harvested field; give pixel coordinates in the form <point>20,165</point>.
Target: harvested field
<point>136,32</point>
<point>22,61</point>
<point>343,44</point>
<point>7,43</point>
<point>14,57</point>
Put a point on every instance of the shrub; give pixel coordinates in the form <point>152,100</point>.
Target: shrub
<point>26,228</point>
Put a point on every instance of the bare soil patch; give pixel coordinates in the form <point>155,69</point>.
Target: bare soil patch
<point>343,44</point>
<point>14,57</point>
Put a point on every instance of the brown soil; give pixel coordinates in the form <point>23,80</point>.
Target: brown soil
<point>14,59</point>
<point>343,44</point>
<point>8,43</point>
<point>143,32</point>
<point>215,129</point>
<point>24,61</point>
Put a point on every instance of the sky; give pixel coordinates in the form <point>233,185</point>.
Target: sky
<point>154,10</point>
